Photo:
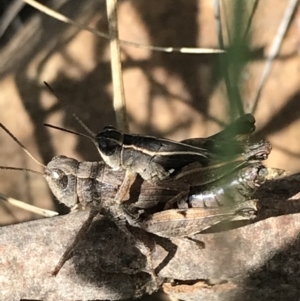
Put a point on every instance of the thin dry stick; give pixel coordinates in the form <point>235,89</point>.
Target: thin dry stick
<point>58,16</point>
<point>28,207</point>
<point>218,23</point>
<point>116,67</point>
<point>274,50</point>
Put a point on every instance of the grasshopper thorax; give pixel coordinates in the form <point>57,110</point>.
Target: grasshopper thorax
<point>110,142</point>
<point>60,174</point>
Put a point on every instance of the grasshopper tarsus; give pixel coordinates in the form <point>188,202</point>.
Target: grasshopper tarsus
<point>55,271</point>
<point>200,244</point>
<point>149,263</point>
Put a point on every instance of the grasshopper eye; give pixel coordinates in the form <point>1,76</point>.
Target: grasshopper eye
<point>107,146</point>
<point>109,140</point>
<point>109,132</point>
<point>262,175</point>
<point>60,178</point>
<point>263,172</point>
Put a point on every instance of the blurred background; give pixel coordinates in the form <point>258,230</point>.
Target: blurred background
<point>170,95</point>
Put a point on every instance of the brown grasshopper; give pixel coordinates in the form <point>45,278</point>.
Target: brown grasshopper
<point>102,187</point>
<point>94,184</point>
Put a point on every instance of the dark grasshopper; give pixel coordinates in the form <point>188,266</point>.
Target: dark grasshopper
<point>156,159</point>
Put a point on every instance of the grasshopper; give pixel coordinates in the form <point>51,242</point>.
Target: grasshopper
<point>156,159</point>
<point>167,223</point>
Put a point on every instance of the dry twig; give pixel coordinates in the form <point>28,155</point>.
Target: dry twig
<point>28,207</point>
<point>58,16</point>
<point>119,101</point>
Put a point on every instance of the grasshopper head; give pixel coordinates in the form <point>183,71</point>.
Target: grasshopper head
<point>60,175</point>
<point>110,142</point>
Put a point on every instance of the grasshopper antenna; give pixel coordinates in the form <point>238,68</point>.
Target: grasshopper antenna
<point>22,169</point>
<point>83,125</point>
<point>22,146</point>
<point>69,131</point>
<point>17,203</point>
